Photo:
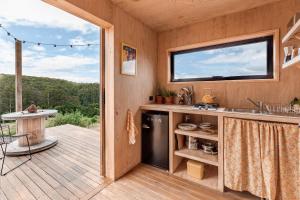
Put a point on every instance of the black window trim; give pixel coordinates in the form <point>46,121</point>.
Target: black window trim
<point>270,60</point>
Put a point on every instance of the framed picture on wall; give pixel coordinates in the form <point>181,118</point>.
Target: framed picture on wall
<point>129,60</point>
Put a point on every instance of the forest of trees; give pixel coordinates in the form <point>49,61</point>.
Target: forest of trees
<point>47,93</point>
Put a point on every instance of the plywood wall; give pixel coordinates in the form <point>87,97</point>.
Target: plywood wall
<point>271,16</point>
<point>132,91</point>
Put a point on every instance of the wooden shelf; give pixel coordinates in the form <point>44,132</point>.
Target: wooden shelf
<point>295,29</point>
<point>199,134</point>
<point>295,62</point>
<point>198,155</point>
<point>210,175</point>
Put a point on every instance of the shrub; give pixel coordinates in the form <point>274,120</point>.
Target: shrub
<point>89,110</point>
<point>75,118</point>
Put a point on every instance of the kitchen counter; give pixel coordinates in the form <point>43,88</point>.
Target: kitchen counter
<point>278,117</point>
<point>214,163</point>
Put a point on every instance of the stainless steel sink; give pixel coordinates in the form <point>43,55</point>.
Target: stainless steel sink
<point>244,110</point>
<point>253,111</point>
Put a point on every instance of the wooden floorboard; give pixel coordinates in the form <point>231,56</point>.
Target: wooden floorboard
<point>148,183</point>
<point>70,170</point>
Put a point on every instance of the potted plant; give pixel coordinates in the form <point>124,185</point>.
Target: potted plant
<point>169,96</point>
<point>158,96</point>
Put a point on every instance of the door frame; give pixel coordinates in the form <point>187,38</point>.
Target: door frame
<point>106,136</point>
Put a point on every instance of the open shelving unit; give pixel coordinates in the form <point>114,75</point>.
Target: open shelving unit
<point>210,178</point>
<point>199,134</point>
<point>213,173</point>
<point>290,39</point>
<point>295,62</point>
<point>198,155</point>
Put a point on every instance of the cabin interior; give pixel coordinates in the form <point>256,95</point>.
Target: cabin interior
<point>200,97</point>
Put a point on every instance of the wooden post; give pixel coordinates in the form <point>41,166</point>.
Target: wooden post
<point>102,102</point>
<point>18,77</point>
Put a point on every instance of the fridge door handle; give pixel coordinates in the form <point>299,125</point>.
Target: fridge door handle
<point>146,126</point>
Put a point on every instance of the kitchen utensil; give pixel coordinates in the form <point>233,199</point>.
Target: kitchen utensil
<point>208,147</point>
<point>211,152</point>
<point>180,141</point>
<point>206,126</point>
<point>193,143</point>
<point>187,126</point>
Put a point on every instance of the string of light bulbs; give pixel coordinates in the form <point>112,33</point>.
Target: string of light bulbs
<point>45,44</point>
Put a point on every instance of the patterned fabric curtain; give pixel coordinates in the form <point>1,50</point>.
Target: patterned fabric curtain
<point>262,158</point>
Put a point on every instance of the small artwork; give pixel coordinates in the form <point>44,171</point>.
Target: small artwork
<point>129,60</point>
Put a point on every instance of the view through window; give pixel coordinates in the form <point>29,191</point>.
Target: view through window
<point>248,59</point>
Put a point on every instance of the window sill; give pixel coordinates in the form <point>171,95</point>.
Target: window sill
<point>227,81</point>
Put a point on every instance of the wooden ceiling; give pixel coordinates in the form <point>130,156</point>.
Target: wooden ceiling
<point>164,15</point>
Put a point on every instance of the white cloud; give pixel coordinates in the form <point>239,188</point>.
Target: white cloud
<point>40,14</point>
<point>58,62</point>
<point>66,67</point>
<point>240,55</point>
<point>81,40</point>
<point>58,37</point>
<point>243,60</point>
<point>7,56</point>
<point>37,48</point>
<point>37,61</point>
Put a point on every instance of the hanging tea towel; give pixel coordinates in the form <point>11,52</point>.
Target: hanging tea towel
<point>131,128</point>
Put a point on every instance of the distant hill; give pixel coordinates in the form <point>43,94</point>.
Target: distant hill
<point>66,96</point>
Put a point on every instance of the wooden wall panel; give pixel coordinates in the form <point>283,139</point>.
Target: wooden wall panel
<point>132,91</point>
<point>233,94</point>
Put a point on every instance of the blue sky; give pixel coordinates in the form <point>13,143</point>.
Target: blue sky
<point>37,21</point>
<point>240,60</point>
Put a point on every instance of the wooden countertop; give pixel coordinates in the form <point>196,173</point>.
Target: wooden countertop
<point>285,118</point>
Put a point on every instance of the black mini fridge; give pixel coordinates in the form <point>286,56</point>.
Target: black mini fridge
<point>155,139</point>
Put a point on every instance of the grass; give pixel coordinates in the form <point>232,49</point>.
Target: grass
<point>13,128</point>
<point>75,118</point>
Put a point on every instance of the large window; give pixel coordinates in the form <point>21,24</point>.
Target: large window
<point>247,59</point>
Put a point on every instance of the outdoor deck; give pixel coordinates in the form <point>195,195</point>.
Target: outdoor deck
<point>69,170</point>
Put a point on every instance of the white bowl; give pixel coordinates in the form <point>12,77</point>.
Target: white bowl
<point>187,126</point>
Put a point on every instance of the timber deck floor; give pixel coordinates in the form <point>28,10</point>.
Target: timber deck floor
<point>70,170</point>
<point>148,183</point>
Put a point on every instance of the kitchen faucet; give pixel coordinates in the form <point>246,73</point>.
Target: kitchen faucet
<point>258,104</point>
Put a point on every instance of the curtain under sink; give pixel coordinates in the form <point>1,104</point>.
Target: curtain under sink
<point>262,158</point>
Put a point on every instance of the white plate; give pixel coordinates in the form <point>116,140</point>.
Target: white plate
<point>187,126</point>
<point>205,124</point>
<point>206,127</point>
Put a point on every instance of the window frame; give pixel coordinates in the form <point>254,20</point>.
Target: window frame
<point>271,63</point>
